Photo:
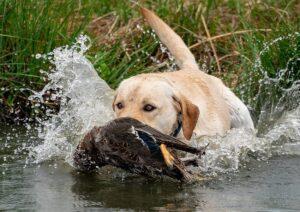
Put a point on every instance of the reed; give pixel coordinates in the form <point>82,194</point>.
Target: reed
<point>237,33</point>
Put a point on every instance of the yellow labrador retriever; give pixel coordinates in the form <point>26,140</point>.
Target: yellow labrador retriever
<point>180,103</point>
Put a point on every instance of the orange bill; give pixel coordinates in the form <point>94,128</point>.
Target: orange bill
<point>169,159</point>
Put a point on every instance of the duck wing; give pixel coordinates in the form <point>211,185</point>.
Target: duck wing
<point>131,150</point>
<point>160,138</point>
<point>143,144</point>
<point>169,141</point>
<point>125,132</point>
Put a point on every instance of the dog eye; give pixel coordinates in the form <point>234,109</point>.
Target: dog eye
<point>149,108</point>
<point>119,105</point>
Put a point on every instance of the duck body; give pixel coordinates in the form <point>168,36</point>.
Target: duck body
<point>135,147</point>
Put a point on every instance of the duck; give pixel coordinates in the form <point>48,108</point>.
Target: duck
<point>131,145</point>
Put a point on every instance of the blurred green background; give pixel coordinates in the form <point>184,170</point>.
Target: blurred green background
<point>242,32</point>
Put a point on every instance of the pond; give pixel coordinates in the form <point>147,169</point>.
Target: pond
<point>244,170</point>
<point>272,184</point>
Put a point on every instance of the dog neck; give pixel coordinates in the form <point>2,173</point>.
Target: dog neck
<point>179,126</point>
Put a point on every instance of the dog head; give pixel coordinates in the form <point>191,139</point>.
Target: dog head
<point>154,101</point>
<point>151,98</point>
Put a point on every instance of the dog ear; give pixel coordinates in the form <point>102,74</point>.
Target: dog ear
<point>190,115</point>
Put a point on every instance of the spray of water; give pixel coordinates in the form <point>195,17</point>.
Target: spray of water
<point>239,146</point>
<point>278,127</point>
<point>170,62</point>
<point>86,102</point>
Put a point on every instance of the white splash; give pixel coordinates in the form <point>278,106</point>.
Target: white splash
<point>85,101</point>
<point>170,60</point>
<point>278,126</point>
<point>239,146</point>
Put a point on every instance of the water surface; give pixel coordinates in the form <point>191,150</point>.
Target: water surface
<point>245,170</point>
<point>55,186</point>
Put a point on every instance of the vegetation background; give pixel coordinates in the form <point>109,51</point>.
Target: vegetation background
<point>232,39</point>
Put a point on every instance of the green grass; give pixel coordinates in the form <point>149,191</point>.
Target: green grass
<point>31,27</point>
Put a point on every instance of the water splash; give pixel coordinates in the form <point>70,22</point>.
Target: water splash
<point>170,60</point>
<point>239,146</point>
<point>86,101</point>
<point>278,125</point>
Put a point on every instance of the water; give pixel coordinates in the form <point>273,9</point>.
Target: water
<point>244,170</point>
<point>55,186</point>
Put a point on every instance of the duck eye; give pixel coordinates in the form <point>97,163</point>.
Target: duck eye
<point>119,105</point>
<point>149,108</point>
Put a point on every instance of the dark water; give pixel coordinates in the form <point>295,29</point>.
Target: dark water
<point>55,186</point>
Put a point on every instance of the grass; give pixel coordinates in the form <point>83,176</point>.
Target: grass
<point>238,30</point>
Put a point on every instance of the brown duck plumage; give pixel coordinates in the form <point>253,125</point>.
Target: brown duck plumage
<point>133,146</point>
